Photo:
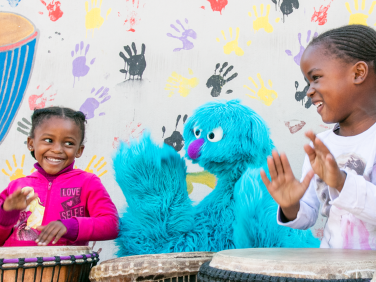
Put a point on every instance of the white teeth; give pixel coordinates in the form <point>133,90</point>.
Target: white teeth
<point>54,160</point>
<point>318,104</point>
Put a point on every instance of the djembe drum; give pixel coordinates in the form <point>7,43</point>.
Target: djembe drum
<point>290,265</point>
<point>55,264</point>
<point>18,38</point>
<point>174,267</point>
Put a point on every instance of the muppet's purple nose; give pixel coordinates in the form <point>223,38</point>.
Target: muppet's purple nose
<point>194,148</point>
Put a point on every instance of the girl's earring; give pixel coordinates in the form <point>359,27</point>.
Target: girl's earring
<point>31,148</point>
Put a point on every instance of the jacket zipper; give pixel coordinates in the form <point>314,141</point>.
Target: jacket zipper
<point>47,201</point>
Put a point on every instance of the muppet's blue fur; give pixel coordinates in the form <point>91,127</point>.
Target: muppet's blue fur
<point>239,213</point>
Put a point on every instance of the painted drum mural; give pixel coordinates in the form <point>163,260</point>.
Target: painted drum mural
<point>18,38</point>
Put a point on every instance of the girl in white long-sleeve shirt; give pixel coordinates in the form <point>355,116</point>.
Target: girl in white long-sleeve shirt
<point>339,170</point>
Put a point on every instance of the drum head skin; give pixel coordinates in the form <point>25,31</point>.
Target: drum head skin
<point>149,267</point>
<point>34,252</point>
<point>14,28</point>
<point>299,263</point>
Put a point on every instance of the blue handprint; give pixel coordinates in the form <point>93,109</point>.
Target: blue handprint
<point>79,67</point>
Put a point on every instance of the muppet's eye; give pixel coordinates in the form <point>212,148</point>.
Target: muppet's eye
<point>215,135</point>
<point>197,132</point>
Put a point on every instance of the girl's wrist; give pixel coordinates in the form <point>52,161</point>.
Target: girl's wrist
<point>341,181</point>
<point>6,207</point>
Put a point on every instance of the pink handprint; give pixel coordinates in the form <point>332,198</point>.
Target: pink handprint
<point>79,67</point>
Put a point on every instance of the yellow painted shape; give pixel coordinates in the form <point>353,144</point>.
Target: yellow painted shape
<point>266,96</point>
<point>277,20</point>
<point>93,18</point>
<point>88,167</point>
<point>203,177</point>
<point>18,173</point>
<point>249,42</point>
<point>262,21</point>
<point>359,18</point>
<point>183,84</point>
<point>233,45</point>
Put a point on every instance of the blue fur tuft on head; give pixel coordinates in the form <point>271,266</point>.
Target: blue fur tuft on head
<point>231,136</point>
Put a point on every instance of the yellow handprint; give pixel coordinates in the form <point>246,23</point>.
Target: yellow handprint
<point>184,84</point>
<point>203,177</point>
<point>359,18</point>
<point>267,96</point>
<point>232,45</point>
<point>18,171</point>
<point>262,21</point>
<point>93,18</point>
<point>87,169</point>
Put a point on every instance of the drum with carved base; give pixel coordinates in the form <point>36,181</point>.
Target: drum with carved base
<point>289,265</point>
<point>55,264</point>
<point>174,267</point>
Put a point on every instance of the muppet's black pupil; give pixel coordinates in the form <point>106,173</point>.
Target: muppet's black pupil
<point>211,135</point>
<point>197,132</point>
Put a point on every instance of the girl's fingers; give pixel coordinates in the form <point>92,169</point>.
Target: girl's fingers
<point>307,179</point>
<point>310,135</point>
<point>272,169</point>
<point>277,162</point>
<point>59,234</point>
<point>264,178</point>
<point>310,152</point>
<point>28,201</point>
<point>47,230</point>
<point>285,164</point>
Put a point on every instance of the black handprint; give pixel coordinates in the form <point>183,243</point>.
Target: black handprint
<point>24,127</point>
<point>135,64</point>
<point>286,7</point>
<point>217,80</point>
<point>176,139</point>
<point>301,95</point>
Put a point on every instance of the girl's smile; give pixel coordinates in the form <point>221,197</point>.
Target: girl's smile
<point>56,143</point>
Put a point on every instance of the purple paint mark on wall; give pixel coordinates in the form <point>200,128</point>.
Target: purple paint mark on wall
<point>187,45</point>
<point>93,103</point>
<point>298,56</point>
<point>79,67</point>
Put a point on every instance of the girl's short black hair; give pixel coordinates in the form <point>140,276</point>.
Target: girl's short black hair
<point>350,43</point>
<point>41,115</point>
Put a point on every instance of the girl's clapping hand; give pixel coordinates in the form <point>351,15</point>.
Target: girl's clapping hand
<point>285,189</point>
<point>53,231</point>
<point>18,200</point>
<point>323,163</point>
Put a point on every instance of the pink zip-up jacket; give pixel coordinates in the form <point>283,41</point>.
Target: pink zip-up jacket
<point>74,194</point>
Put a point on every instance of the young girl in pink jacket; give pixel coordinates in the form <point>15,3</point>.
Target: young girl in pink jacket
<point>56,204</point>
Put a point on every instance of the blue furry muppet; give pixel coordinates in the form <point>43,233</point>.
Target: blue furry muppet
<point>230,141</point>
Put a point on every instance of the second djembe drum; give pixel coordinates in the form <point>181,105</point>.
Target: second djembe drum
<point>174,267</point>
<point>290,265</point>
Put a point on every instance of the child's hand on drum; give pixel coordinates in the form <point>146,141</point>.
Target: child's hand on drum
<point>323,163</point>
<point>18,200</point>
<point>54,230</point>
<point>285,189</point>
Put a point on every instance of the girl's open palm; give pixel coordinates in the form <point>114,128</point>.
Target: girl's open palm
<point>18,200</point>
<point>285,189</point>
<point>323,162</point>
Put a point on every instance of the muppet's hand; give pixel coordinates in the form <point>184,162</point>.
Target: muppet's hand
<point>18,200</point>
<point>285,189</point>
<point>323,163</point>
<point>55,229</point>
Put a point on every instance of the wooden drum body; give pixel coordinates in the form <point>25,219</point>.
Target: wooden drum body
<point>174,267</point>
<point>18,37</point>
<point>56,264</point>
<point>280,265</point>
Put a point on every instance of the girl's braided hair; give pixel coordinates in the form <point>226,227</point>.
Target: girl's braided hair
<point>350,43</point>
<point>40,115</point>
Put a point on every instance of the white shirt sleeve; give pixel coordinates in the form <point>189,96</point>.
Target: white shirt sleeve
<point>309,204</point>
<point>358,196</point>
